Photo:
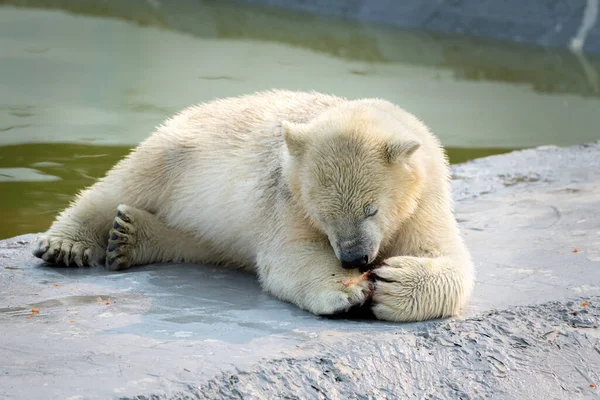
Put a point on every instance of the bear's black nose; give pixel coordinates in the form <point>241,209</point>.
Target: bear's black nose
<point>356,263</point>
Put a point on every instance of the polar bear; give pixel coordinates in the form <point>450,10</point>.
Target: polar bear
<point>307,190</point>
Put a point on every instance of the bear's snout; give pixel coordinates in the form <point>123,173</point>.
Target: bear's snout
<point>351,262</point>
<point>357,252</point>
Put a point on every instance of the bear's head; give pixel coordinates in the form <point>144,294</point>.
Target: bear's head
<point>356,172</point>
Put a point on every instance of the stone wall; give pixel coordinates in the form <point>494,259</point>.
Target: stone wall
<point>560,24</point>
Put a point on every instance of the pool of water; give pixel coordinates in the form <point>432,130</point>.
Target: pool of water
<point>81,82</point>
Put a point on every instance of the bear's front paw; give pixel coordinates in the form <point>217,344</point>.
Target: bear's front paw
<point>417,289</point>
<point>58,250</point>
<point>341,295</point>
<point>404,292</point>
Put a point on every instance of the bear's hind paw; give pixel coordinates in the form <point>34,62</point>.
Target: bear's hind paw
<point>121,241</point>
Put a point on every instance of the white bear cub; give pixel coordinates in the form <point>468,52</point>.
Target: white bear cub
<point>307,190</point>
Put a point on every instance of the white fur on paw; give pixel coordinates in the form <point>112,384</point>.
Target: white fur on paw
<point>121,240</point>
<point>408,293</point>
<point>342,296</point>
<point>395,296</point>
<point>61,251</point>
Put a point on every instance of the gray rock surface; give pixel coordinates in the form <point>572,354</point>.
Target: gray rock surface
<point>186,331</point>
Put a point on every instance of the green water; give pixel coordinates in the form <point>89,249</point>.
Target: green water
<point>83,82</point>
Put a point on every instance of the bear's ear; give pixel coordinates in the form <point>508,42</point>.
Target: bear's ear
<point>401,150</point>
<point>294,137</point>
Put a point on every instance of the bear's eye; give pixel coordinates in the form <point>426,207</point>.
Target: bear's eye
<point>370,210</point>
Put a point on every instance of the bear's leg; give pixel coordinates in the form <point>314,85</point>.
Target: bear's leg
<point>310,276</point>
<point>421,288</point>
<point>138,237</point>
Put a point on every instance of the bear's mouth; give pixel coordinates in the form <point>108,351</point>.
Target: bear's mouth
<point>369,267</point>
<point>377,262</point>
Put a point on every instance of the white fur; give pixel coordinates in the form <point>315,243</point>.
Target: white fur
<point>234,182</point>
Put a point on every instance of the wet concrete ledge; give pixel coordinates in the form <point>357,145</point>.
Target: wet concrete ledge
<point>183,331</point>
<point>548,23</point>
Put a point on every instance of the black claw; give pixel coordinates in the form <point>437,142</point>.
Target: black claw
<point>380,279</point>
<point>111,247</point>
<point>123,216</point>
<point>110,261</point>
<point>114,236</point>
<point>116,225</point>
